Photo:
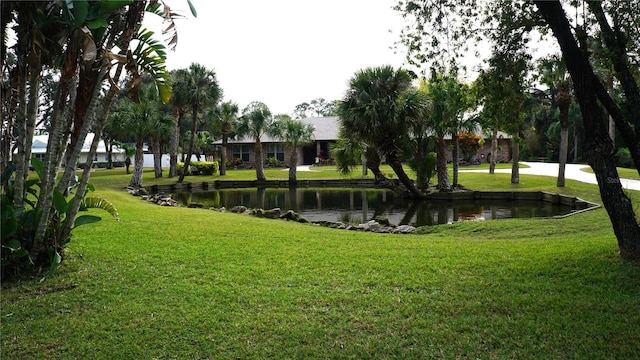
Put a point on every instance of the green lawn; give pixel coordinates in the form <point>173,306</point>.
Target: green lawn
<point>196,284</point>
<point>622,172</point>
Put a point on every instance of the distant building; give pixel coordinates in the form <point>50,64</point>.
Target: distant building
<point>39,150</point>
<point>325,134</point>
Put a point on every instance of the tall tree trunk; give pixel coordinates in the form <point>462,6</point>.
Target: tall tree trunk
<point>138,165</point>
<point>396,165</point>
<point>173,148</point>
<point>598,148</point>
<point>441,160</point>
<point>562,155</point>
<point>455,153</point>
<point>258,161</point>
<point>187,160</point>
<point>157,158</point>
<point>494,151</point>
<point>576,141</point>
<point>564,102</point>
<point>22,141</point>
<point>109,145</point>
<point>515,159</point>
<point>293,165</point>
<point>223,155</point>
<point>615,41</point>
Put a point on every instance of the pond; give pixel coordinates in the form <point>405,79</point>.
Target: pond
<point>362,205</point>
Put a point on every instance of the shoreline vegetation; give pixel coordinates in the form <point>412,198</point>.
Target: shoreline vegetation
<point>192,283</point>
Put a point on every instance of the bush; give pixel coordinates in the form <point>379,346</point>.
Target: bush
<point>200,168</point>
<point>272,162</point>
<point>623,158</point>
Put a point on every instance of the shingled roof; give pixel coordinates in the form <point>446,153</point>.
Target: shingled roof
<point>325,129</point>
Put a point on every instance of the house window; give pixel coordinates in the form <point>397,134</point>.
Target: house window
<point>240,152</point>
<point>95,158</point>
<point>275,151</point>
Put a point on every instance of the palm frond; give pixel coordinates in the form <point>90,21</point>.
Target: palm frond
<point>150,56</point>
<point>100,203</point>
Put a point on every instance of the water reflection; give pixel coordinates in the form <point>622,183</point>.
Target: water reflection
<point>361,205</point>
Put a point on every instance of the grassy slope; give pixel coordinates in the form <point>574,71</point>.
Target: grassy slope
<point>191,283</point>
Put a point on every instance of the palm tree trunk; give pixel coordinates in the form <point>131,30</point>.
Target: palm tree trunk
<point>23,141</point>
<point>259,162</point>
<point>494,151</point>
<point>173,148</point>
<point>396,165</point>
<point>373,162</point>
<point>138,166</point>
<point>223,155</point>
<point>562,156</point>
<point>293,166</point>
<point>443,176</point>
<point>187,160</point>
<point>456,152</point>
<point>515,159</point>
<point>564,102</point>
<point>157,158</point>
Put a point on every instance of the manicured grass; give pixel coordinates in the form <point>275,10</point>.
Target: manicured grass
<point>193,283</point>
<point>622,172</point>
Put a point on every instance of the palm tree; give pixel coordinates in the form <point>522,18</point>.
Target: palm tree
<point>201,90</point>
<point>554,74</point>
<point>161,131</point>
<point>225,119</point>
<point>294,133</point>
<point>179,109</point>
<point>377,112</point>
<point>142,120</point>
<point>256,121</point>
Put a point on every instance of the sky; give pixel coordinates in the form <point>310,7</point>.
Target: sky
<point>284,52</point>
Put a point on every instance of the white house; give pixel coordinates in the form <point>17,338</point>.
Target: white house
<point>39,149</point>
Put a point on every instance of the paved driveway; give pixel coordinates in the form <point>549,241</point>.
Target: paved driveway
<point>572,171</point>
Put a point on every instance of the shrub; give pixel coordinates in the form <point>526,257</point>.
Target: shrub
<point>200,167</point>
<point>623,158</point>
<point>272,162</point>
<point>21,254</point>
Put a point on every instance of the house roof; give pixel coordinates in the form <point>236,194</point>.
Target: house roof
<point>327,129</point>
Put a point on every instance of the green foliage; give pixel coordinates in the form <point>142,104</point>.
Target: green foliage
<point>241,287</point>
<point>19,257</point>
<point>623,158</point>
<point>346,153</point>
<point>272,162</point>
<point>200,167</point>
<point>424,168</point>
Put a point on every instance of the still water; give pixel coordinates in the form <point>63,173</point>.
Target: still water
<point>362,205</point>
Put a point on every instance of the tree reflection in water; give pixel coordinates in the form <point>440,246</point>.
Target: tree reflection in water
<point>361,205</point>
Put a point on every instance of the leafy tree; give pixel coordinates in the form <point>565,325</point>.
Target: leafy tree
<point>378,109</point>
<point>590,94</point>
<point>315,108</point>
<point>449,100</point>
<point>428,19</point>
<point>256,121</point>
<point>201,90</point>
<point>469,144</point>
<point>294,133</point>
